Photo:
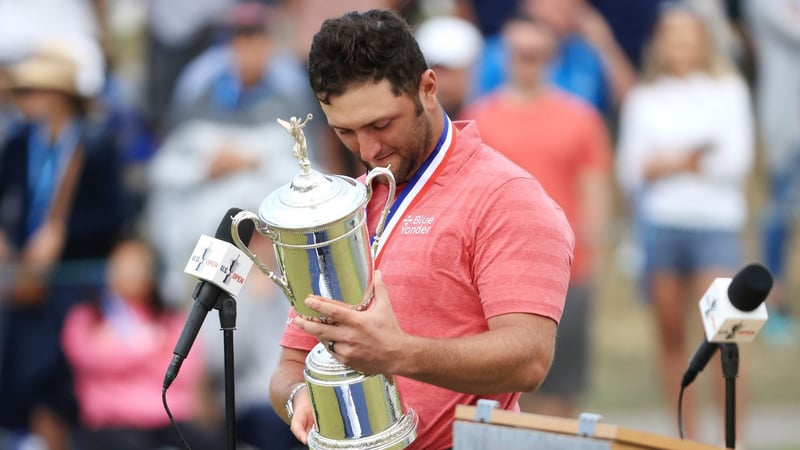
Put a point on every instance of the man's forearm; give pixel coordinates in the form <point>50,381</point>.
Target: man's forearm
<point>511,358</point>
<point>622,75</point>
<point>286,377</point>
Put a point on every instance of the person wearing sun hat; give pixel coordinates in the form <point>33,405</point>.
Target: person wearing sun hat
<point>50,70</point>
<point>61,208</point>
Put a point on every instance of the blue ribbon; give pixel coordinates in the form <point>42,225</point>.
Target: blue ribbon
<point>398,200</point>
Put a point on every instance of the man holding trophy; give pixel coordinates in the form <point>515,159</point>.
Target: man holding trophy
<point>473,267</point>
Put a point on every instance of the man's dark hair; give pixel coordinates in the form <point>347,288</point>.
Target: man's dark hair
<point>523,17</point>
<point>356,48</point>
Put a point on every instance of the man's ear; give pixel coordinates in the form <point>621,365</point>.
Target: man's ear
<point>427,89</point>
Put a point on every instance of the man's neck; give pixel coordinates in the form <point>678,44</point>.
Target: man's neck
<point>437,128</point>
<point>524,93</point>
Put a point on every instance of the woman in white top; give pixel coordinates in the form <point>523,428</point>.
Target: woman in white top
<point>685,151</point>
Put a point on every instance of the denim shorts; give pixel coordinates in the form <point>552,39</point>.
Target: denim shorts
<point>687,251</point>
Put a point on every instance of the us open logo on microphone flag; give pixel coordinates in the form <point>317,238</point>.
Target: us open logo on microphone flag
<point>220,263</point>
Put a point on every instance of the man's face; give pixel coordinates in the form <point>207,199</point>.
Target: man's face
<point>37,104</point>
<point>382,129</point>
<point>250,51</point>
<point>530,48</point>
<point>561,15</point>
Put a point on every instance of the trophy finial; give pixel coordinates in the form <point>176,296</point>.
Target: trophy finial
<point>300,150</point>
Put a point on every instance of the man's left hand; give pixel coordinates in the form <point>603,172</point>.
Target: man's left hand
<point>370,341</point>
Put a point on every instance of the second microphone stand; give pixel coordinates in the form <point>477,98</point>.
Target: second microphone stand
<point>729,354</point>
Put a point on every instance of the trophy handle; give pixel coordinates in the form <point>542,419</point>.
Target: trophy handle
<point>263,229</point>
<point>378,171</point>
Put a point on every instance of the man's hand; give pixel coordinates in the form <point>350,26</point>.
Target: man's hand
<point>370,341</point>
<point>620,72</point>
<point>303,419</point>
<point>35,260</point>
<point>45,246</point>
<point>594,28</point>
<point>666,164</point>
<point>230,160</point>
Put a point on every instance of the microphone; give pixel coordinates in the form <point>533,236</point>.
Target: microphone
<point>733,311</point>
<point>221,268</point>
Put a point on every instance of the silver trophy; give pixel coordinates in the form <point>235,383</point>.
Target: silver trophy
<point>317,225</point>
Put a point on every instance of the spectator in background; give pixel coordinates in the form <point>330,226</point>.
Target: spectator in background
<point>563,142</point>
<point>451,47</point>
<point>119,345</point>
<point>61,208</point>
<point>306,17</point>
<point>177,31</point>
<point>80,24</point>
<point>718,16</point>
<point>775,26</point>
<point>227,149</point>
<point>685,151</point>
<point>632,23</point>
<point>589,63</point>
<point>488,15</point>
<point>261,317</point>
<point>249,78</point>
<point>9,116</point>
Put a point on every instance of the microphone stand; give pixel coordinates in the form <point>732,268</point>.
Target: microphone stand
<point>729,354</point>
<point>227,321</point>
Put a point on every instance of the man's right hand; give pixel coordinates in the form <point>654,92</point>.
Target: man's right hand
<point>303,419</point>
<point>229,160</point>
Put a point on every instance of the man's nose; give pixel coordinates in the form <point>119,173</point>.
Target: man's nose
<point>368,146</point>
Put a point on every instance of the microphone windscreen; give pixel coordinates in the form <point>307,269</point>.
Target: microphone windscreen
<point>750,287</point>
<point>246,228</point>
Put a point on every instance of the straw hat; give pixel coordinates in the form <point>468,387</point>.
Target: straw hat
<point>48,69</point>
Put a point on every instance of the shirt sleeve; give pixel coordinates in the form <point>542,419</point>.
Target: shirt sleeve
<point>523,252</point>
<point>632,144</point>
<point>294,337</point>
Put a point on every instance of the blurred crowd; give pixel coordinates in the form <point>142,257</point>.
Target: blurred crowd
<point>129,127</point>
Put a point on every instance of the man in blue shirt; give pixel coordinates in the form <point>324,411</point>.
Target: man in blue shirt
<point>589,63</point>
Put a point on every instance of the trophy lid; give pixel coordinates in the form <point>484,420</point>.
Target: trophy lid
<point>322,367</point>
<point>311,199</point>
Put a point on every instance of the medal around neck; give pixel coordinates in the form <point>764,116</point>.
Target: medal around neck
<point>317,225</point>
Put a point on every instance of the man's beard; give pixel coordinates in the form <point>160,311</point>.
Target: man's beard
<point>414,151</point>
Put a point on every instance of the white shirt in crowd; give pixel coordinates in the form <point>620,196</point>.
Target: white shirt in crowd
<point>672,116</point>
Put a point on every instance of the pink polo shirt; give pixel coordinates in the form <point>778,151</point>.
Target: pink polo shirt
<point>484,240</point>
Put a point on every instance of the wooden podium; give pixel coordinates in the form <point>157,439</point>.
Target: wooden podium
<point>486,428</point>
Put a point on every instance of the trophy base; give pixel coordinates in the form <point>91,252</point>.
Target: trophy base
<point>397,437</point>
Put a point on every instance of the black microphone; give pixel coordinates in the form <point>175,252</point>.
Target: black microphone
<point>206,296</point>
<point>747,291</point>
